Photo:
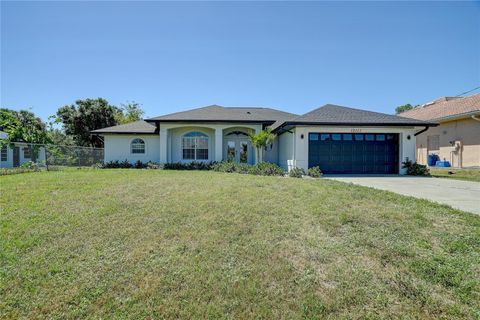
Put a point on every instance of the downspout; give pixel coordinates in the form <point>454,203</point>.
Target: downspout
<point>422,131</point>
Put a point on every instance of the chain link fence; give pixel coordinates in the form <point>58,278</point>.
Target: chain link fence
<point>47,155</point>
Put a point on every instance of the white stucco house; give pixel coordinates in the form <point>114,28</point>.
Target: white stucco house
<point>18,154</point>
<point>340,140</point>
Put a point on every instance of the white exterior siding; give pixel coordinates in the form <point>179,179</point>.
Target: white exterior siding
<point>175,153</point>
<point>285,149</point>
<point>117,147</point>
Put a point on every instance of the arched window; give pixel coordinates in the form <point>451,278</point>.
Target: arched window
<point>195,146</point>
<point>137,146</point>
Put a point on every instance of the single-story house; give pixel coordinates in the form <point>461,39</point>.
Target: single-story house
<point>18,154</point>
<point>338,139</point>
<point>457,138</point>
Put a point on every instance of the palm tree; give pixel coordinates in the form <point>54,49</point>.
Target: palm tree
<point>261,140</point>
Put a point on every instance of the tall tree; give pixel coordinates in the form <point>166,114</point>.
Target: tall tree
<point>23,126</point>
<point>403,108</point>
<point>130,112</point>
<point>84,116</point>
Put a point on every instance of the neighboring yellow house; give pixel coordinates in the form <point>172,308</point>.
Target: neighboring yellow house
<point>457,138</point>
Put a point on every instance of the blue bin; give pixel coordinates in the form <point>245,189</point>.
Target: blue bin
<point>442,164</point>
<point>432,159</point>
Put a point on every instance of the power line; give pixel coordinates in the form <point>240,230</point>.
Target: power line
<point>461,94</point>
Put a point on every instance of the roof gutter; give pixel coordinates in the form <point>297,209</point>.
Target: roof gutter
<point>422,131</point>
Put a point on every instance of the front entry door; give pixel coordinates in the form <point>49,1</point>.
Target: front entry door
<point>16,156</point>
<point>237,150</point>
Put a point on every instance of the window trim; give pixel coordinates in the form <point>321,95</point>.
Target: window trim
<point>144,147</point>
<point>200,134</point>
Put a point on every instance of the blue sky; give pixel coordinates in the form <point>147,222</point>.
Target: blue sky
<point>295,56</point>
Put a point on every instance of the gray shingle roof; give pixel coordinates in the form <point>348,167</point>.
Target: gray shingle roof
<point>132,127</point>
<point>338,115</point>
<point>216,113</point>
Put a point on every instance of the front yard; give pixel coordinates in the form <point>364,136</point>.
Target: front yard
<point>177,244</point>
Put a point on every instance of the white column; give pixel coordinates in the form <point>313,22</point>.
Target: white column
<point>218,144</point>
<point>163,145</point>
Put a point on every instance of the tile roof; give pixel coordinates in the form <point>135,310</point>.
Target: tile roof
<point>444,108</point>
<point>132,127</point>
<point>338,115</point>
<point>225,114</point>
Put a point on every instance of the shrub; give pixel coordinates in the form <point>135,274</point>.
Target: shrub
<point>224,166</point>
<point>266,169</point>
<point>315,172</point>
<point>260,169</point>
<point>194,165</point>
<point>415,169</point>
<point>153,165</point>
<point>125,164</point>
<point>139,165</point>
<point>296,172</point>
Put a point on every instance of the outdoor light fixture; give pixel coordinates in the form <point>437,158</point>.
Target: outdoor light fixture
<point>301,136</point>
<point>408,137</point>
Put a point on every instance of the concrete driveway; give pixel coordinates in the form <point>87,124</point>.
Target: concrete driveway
<point>463,195</point>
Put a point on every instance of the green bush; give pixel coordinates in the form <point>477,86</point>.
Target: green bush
<point>296,172</point>
<point>266,169</point>
<point>315,172</point>
<point>260,169</point>
<point>194,165</point>
<point>225,166</point>
<point>415,169</point>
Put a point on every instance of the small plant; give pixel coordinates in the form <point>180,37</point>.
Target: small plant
<point>415,169</point>
<point>296,172</point>
<point>315,172</point>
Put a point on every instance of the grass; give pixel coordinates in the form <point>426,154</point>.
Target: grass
<point>169,244</point>
<point>458,174</point>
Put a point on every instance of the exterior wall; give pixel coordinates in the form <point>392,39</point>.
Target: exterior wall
<point>117,147</point>
<point>465,130</point>
<point>171,135</point>
<point>41,157</point>
<point>300,156</point>
<point>286,150</point>
<point>271,155</point>
<point>175,143</point>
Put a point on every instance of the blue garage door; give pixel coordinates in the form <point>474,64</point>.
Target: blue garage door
<point>354,153</point>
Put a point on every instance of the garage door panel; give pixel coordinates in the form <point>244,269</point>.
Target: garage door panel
<point>368,153</point>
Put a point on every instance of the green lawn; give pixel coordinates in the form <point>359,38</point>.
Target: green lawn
<point>168,244</point>
<point>459,174</point>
